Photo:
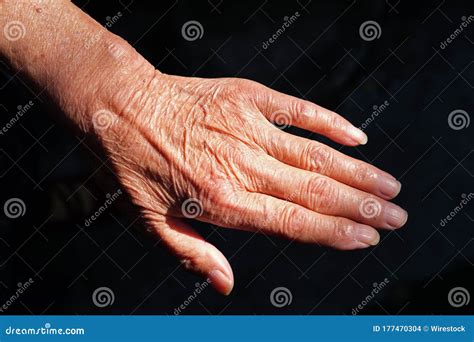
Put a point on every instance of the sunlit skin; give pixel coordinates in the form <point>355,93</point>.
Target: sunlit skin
<point>170,139</point>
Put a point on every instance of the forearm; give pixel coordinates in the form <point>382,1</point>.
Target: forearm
<point>67,55</point>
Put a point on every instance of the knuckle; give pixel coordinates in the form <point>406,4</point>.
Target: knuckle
<point>361,173</point>
<point>244,83</point>
<point>219,195</point>
<point>220,207</point>
<point>221,198</point>
<point>335,122</point>
<point>214,192</point>
<point>320,158</point>
<point>298,109</point>
<point>341,231</point>
<point>318,186</point>
<point>243,86</point>
<point>324,194</point>
<point>268,213</point>
<point>291,219</point>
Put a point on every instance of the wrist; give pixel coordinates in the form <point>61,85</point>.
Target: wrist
<point>69,57</point>
<point>108,79</point>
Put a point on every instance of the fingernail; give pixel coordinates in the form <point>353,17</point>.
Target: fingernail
<point>367,235</point>
<point>357,135</point>
<point>395,216</point>
<point>389,187</point>
<point>220,281</point>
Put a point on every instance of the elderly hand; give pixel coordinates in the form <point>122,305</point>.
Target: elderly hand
<point>206,149</point>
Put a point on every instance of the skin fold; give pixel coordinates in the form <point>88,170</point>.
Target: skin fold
<point>187,149</point>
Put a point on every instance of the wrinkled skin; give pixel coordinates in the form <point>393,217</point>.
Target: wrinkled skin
<point>187,149</point>
<point>206,149</point>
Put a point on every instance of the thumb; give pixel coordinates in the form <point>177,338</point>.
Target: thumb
<point>196,254</point>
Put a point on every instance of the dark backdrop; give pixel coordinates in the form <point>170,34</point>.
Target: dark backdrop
<point>321,57</point>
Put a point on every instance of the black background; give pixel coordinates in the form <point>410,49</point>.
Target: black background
<point>321,57</point>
